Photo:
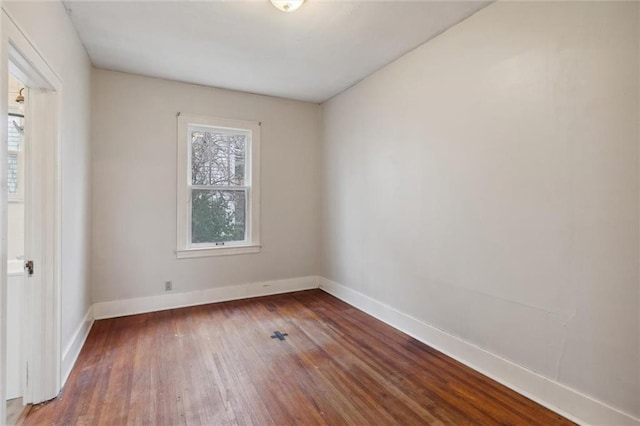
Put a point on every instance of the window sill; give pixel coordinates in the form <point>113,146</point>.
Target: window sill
<point>217,251</point>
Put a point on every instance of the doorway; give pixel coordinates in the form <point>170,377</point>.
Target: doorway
<point>30,338</point>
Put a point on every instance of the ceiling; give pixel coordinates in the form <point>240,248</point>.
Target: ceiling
<point>311,54</point>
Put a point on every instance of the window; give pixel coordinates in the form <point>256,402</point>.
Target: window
<point>15,129</point>
<point>218,186</point>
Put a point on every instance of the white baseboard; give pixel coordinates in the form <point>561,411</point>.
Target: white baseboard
<point>568,402</point>
<point>71,352</point>
<point>118,308</point>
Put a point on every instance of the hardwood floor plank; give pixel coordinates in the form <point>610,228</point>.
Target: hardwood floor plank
<point>217,365</point>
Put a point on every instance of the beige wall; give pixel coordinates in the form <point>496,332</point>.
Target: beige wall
<point>134,189</point>
<point>48,27</point>
<point>487,184</point>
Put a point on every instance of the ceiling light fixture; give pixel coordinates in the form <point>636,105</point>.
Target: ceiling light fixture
<point>287,5</point>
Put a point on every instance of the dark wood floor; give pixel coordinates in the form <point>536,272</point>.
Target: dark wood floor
<point>216,365</point>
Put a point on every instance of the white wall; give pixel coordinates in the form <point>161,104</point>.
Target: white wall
<point>134,187</point>
<point>487,183</point>
<point>47,25</point>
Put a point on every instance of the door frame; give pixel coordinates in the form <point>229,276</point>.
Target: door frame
<point>42,304</point>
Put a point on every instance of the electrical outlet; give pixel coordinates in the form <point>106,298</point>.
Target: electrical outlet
<point>168,286</point>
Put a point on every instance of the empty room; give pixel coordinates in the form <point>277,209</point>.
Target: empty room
<point>331,212</point>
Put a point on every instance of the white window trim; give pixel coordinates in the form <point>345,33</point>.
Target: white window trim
<point>185,249</point>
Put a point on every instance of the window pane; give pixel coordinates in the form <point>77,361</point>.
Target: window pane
<point>14,134</point>
<point>217,216</point>
<point>13,174</point>
<point>217,157</point>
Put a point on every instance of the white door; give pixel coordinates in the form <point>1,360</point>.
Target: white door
<point>41,295</point>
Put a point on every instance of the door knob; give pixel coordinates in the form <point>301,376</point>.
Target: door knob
<point>29,267</point>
